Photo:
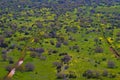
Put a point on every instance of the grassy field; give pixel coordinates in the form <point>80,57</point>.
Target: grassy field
<point>80,38</point>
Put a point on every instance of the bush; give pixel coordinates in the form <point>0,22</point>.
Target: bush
<point>57,64</point>
<point>12,46</point>
<point>42,57</point>
<point>4,51</point>
<point>52,51</point>
<point>91,74</point>
<point>33,55</point>
<point>72,74</point>
<point>62,54</point>
<point>52,42</point>
<point>4,57</point>
<point>3,45</point>
<point>39,50</point>
<point>111,64</point>
<point>111,75</point>
<point>66,59</point>
<point>98,50</point>
<point>58,45</point>
<point>105,73</point>
<point>8,68</point>
<point>66,67</point>
<point>10,59</point>
<point>118,34</point>
<point>88,74</point>
<point>61,76</point>
<point>65,43</point>
<point>1,39</point>
<point>29,67</point>
<point>96,74</point>
<point>21,68</point>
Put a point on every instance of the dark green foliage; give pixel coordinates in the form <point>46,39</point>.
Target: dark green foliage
<point>21,68</point>
<point>11,61</point>
<point>91,74</point>
<point>72,75</point>
<point>58,45</point>
<point>39,50</point>
<point>105,73</point>
<point>4,57</point>
<point>111,64</point>
<point>98,50</point>
<point>33,55</point>
<point>88,74</point>
<point>42,58</point>
<point>52,42</point>
<point>57,64</point>
<point>61,76</point>
<point>66,59</point>
<point>8,68</point>
<point>112,75</point>
<point>29,67</point>
<point>1,39</point>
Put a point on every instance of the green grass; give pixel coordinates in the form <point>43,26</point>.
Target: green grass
<point>44,69</point>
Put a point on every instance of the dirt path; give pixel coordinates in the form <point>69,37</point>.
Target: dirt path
<point>18,63</point>
<point>117,55</point>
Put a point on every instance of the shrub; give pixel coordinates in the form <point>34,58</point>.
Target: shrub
<point>3,45</point>
<point>58,45</point>
<point>65,43</point>
<point>66,59</point>
<point>111,75</point>
<point>98,50</point>
<point>52,34</point>
<point>1,39</point>
<point>104,59</point>
<point>85,39</point>
<point>88,74</point>
<point>111,64</point>
<point>33,55</point>
<point>61,76</point>
<point>4,51</point>
<point>39,50</point>
<point>21,68</point>
<point>66,67</point>
<point>91,74</point>
<point>10,59</point>
<point>72,74</point>
<point>52,42</point>
<point>118,34</point>
<point>8,68</point>
<point>4,57</point>
<point>29,67</point>
<point>42,57</point>
<point>62,54</point>
<point>54,51</point>
<point>12,46</point>
<point>96,74</point>
<point>105,73</point>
